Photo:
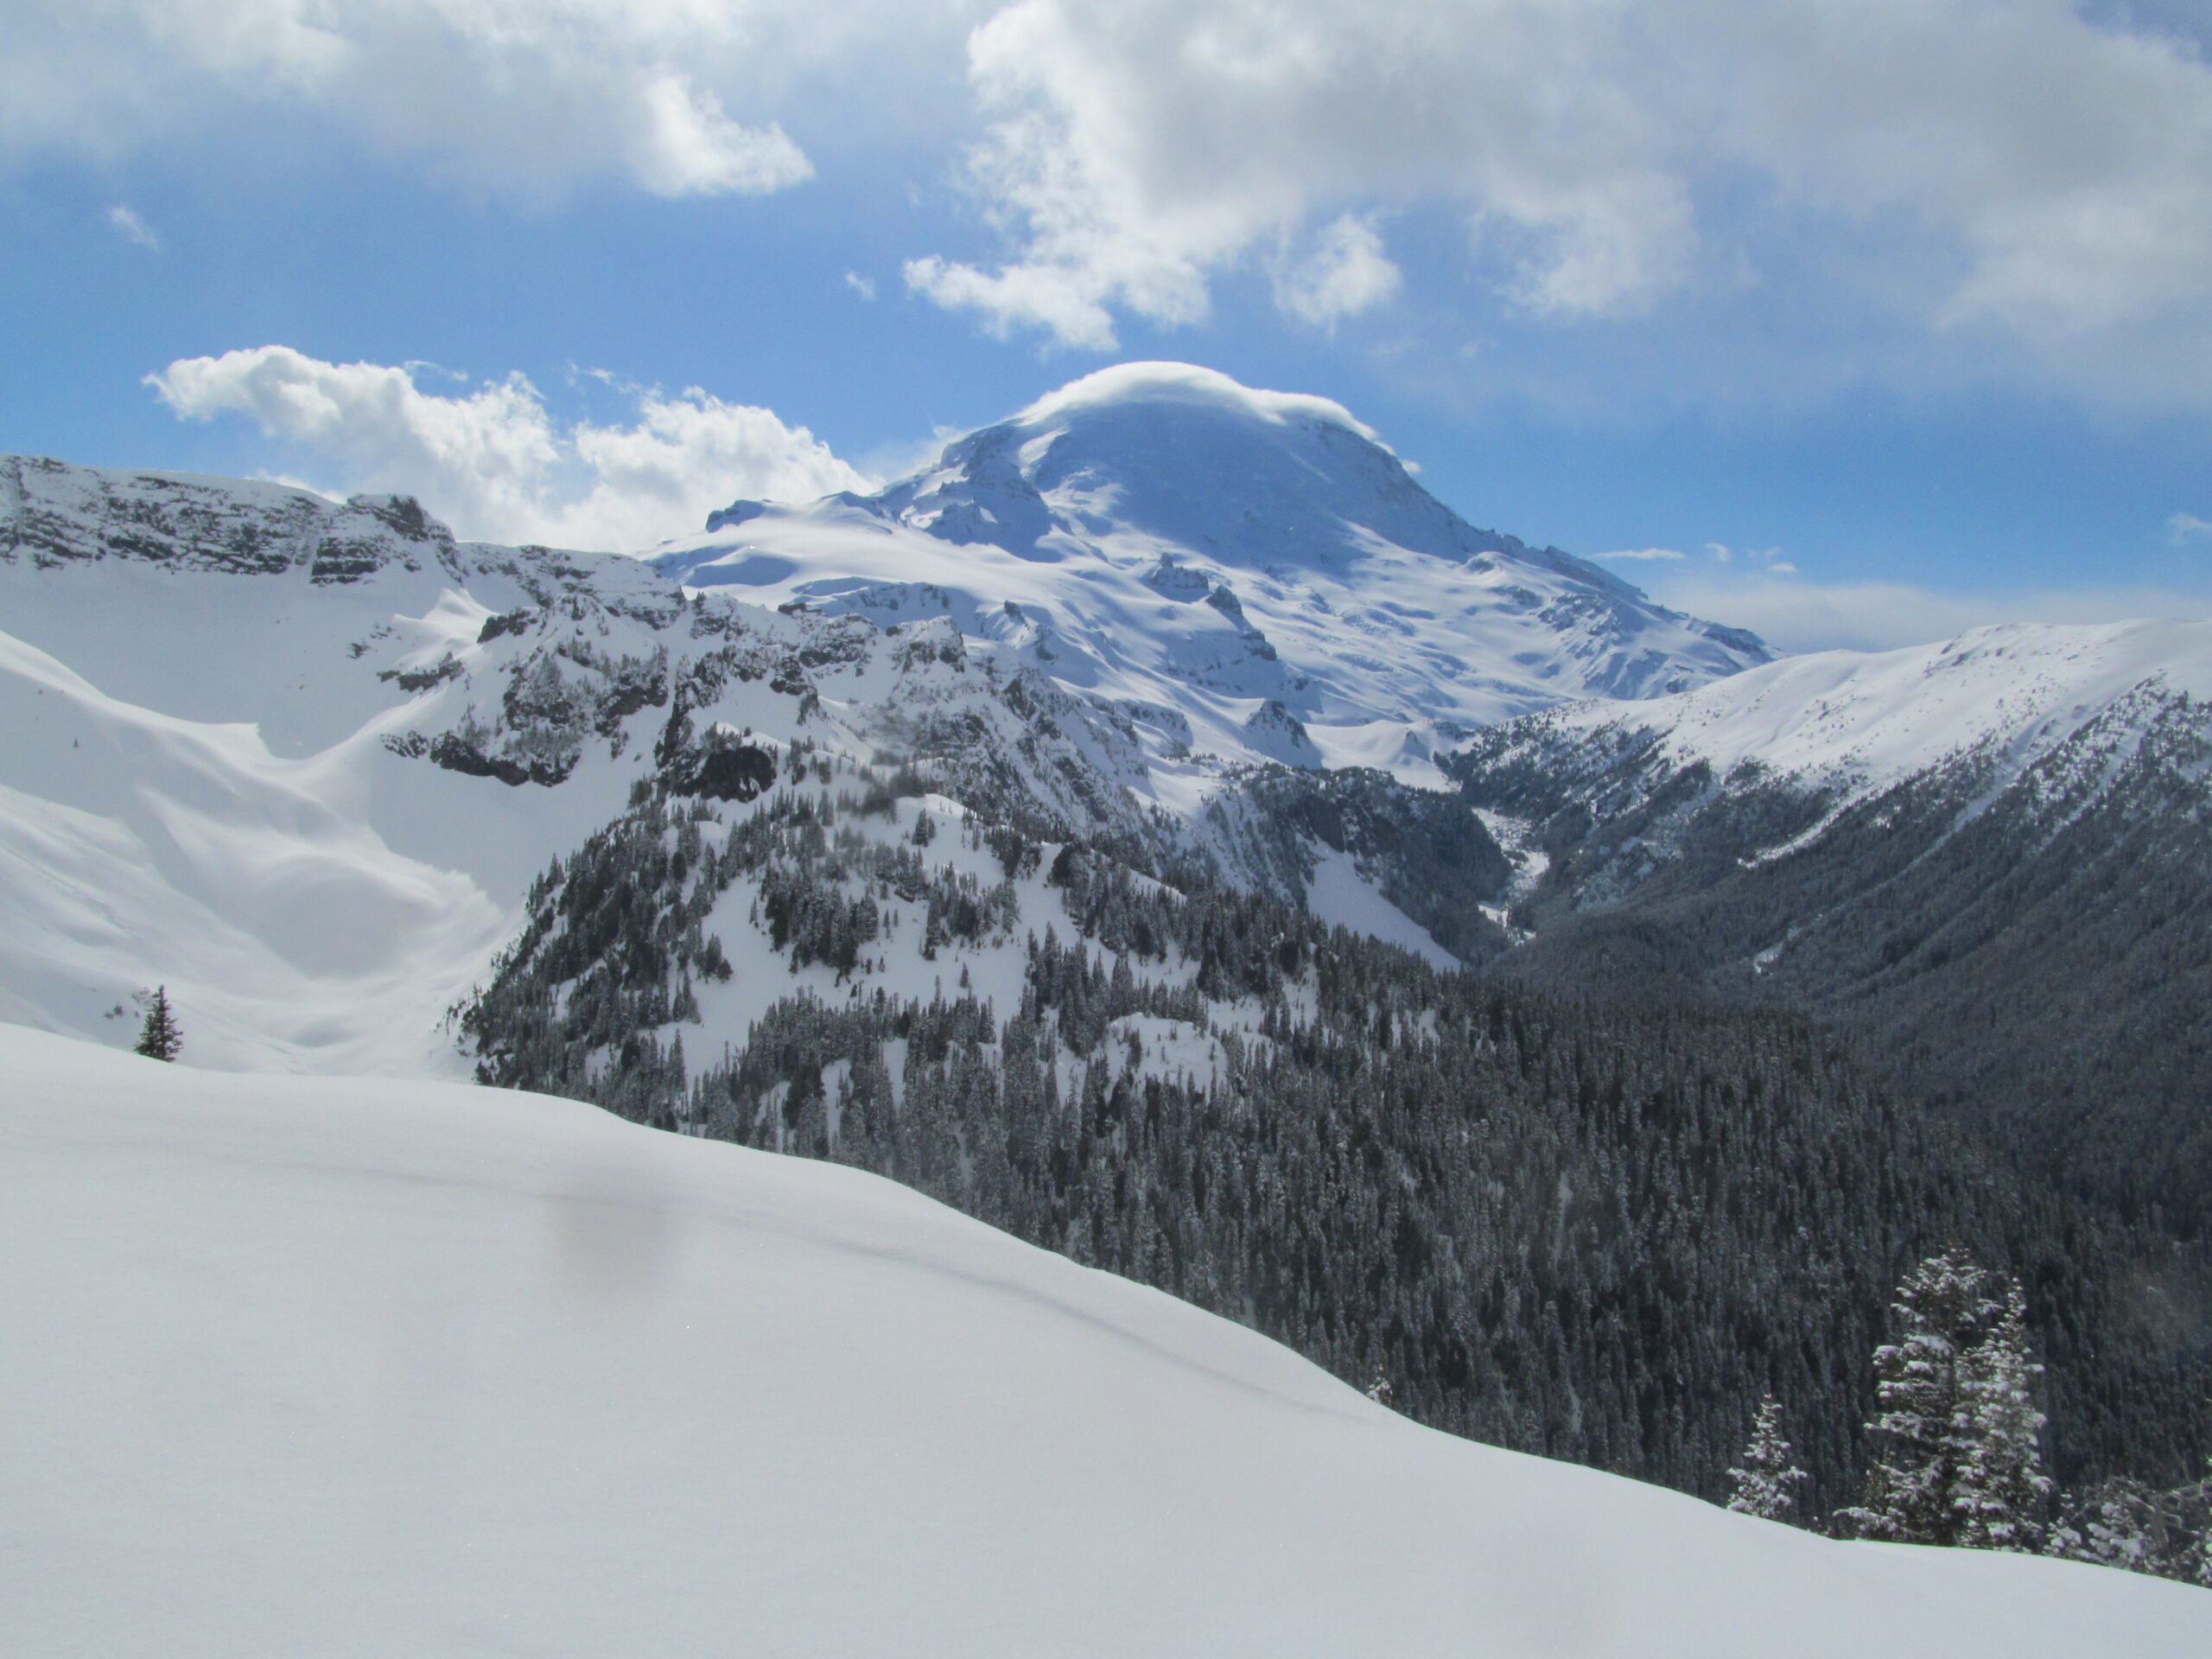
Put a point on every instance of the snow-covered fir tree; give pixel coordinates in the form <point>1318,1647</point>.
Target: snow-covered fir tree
<point>1920,1378</point>
<point>2195,1566</point>
<point>2124,1523</point>
<point>2000,1489</point>
<point>1761,1485</point>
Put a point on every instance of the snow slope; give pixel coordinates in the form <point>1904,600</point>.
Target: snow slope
<point>1254,571</point>
<point>339,1367</point>
<point>1864,720</point>
<point>198,678</point>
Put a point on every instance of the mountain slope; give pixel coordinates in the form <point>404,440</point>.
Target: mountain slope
<point>349,1368</point>
<point>252,729</point>
<point>1560,1227</point>
<point>1991,860</point>
<point>1245,573</point>
<point>301,759</point>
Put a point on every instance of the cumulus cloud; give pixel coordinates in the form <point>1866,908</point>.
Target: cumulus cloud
<point>523,97</point>
<point>492,460</point>
<point>2058,166</point>
<point>2028,172</point>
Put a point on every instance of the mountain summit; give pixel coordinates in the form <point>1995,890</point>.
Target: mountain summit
<point>1255,566</point>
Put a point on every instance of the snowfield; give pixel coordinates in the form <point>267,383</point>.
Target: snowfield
<point>328,1367</point>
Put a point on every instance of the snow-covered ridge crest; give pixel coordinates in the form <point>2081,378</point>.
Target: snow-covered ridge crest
<point>52,512</point>
<point>1858,723</point>
<point>1157,535</point>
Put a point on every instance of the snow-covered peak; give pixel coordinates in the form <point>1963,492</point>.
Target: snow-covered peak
<point>1158,536</point>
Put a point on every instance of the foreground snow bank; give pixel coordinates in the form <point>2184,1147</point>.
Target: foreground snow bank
<point>306,1366</point>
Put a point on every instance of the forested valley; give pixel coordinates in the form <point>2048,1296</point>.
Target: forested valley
<point>1600,1229</point>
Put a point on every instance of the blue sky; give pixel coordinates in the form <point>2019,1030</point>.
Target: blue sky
<point>1860,323</point>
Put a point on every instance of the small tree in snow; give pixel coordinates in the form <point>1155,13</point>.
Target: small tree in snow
<point>1999,1490</point>
<point>159,1039</point>
<point>1762,1484</point>
<point>1380,1390</point>
<point>1919,1381</point>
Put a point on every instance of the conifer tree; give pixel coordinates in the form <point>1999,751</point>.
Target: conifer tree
<point>159,1039</point>
<point>2118,1523</point>
<point>2000,1487</point>
<point>2196,1559</point>
<point>1762,1484</point>
<point>1920,1383</point>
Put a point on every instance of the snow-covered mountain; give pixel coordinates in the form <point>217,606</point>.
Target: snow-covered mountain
<point>349,1368</point>
<point>1990,858</point>
<point>2037,724</point>
<point>1246,573</point>
<point>302,759</point>
<point>1025,893</point>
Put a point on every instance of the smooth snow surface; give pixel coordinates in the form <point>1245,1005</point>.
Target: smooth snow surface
<point>333,1368</point>
<point>194,790</point>
<point>373,1368</point>
<point>1340,895</point>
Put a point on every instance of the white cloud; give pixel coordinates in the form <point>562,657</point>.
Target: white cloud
<point>2188,527</point>
<point>1767,559</point>
<point>863,286</point>
<point>2026,177</point>
<point>493,462</point>
<point>1642,553</point>
<point>1796,615</point>
<point>2058,170</point>
<point>690,147</point>
<point>131,228</point>
<point>1348,273</point>
<point>528,96</point>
